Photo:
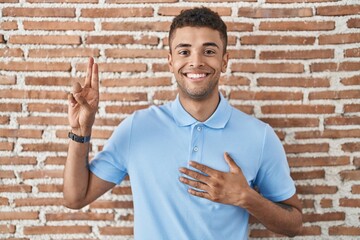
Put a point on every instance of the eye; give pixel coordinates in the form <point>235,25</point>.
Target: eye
<point>183,52</point>
<point>209,52</point>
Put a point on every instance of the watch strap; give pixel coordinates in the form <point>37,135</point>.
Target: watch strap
<point>79,139</point>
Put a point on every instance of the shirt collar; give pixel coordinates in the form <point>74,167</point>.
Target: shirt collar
<point>217,120</point>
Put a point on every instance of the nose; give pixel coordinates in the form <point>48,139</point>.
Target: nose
<point>196,60</point>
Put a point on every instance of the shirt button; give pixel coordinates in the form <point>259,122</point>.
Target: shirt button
<point>196,149</point>
<point>199,128</point>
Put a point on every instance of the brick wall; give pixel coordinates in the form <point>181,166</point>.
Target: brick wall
<point>295,64</point>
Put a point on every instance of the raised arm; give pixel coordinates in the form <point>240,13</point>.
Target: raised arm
<point>81,187</point>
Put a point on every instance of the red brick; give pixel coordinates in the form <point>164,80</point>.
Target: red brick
<point>299,1</point>
<point>48,201</point>
<point>239,27</point>
<point>38,12</point>
<point>51,39</point>
<point>55,160</point>
<point>11,52</point>
<point>141,1</point>
<point>276,40</point>
<point>262,95</point>
<point>293,82</point>
<point>115,67</point>
<point>328,133</point>
<point>297,109</point>
<point>45,147</point>
<point>8,228</point>
<point>347,202</point>
<point>316,174</point>
<point>241,54</point>
<point>353,23</point>
<point>342,121</point>
<point>165,95</point>
<point>326,203</point>
<point>136,53</point>
<point>136,26</point>
<point>291,122</point>
<point>355,189</point>
<point>348,108</point>
<point>9,25</point>
<point>131,97</point>
<point>129,82</point>
<point>297,26</point>
<point>33,94</point>
<point>40,230</point>
<point>6,146</point>
<point>18,161</point>
<point>7,80</point>
<point>57,53</point>
<point>87,216</point>
<point>306,148</point>
<point>113,39</point>
<point>274,12</point>
<point>10,107</point>
<point>20,133</point>
<point>4,201</point>
<point>46,107</point>
<point>4,119</point>
<point>332,216</point>
<point>116,231</point>
<point>335,67</point>
<point>35,66</point>
<point>7,174</point>
<point>160,67</point>
<point>19,188</point>
<point>42,174</point>
<point>58,26</point>
<point>339,38</point>
<point>53,81</point>
<point>121,190</point>
<point>338,10</point>
<point>124,109</point>
<point>173,11</point>
<point>301,54</point>
<point>117,12</point>
<point>50,188</point>
<point>318,161</point>
<point>346,94</point>
<point>234,81</point>
<point>353,52</point>
<point>350,175</point>
<point>111,204</point>
<point>19,215</point>
<point>2,40</point>
<point>344,231</point>
<point>351,147</point>
<point>316,189</point>
<point>354,80</point>
<point>268,67</point>
<point>62,1</point>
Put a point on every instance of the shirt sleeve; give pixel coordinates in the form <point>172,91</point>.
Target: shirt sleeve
<point>111,163</point>
<point>273,178</point>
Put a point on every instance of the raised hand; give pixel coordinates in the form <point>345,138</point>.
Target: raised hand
<point>223,187</point>
<point>84,101</point>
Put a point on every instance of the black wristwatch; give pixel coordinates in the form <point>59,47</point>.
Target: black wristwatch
<point>78,139</point>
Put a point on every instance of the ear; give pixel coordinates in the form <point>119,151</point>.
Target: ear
<point>170,62</point>
<point>225,62</point>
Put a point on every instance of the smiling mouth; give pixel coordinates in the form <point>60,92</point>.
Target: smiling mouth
<point>196,76</point>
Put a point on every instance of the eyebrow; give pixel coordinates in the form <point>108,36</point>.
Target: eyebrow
<point>180,45</point>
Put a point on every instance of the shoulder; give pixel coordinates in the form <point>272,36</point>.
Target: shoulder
<point>239,118</point>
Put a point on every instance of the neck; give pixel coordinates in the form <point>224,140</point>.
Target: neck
<point>200,109</point>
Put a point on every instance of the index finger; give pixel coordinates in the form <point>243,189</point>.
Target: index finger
<point>95,77</point>
<point>203,168</point>
<point>89,72</point>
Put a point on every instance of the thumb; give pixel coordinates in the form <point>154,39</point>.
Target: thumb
<point>234,168</point>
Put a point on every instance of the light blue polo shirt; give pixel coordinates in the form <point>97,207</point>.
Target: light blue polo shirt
<point>152,144</point>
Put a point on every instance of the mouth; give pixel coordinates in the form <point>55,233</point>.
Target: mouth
<point>196,76</point>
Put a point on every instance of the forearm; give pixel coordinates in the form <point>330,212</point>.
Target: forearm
<point>76,174</point>
<point>277,217</point>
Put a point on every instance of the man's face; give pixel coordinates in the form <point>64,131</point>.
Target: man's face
<point>197,60</point>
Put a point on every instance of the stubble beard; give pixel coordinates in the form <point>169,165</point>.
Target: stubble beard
<point>197,93</point>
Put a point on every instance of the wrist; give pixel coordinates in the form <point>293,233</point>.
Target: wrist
<point>247,198</point>
<point>81,132</point>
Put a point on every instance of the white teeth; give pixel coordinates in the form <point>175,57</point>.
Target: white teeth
<point>194,76</point>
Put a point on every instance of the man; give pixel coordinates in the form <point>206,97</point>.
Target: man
<point>193,163</point>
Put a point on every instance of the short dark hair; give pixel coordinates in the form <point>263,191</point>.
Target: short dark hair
<point>199,17</point>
